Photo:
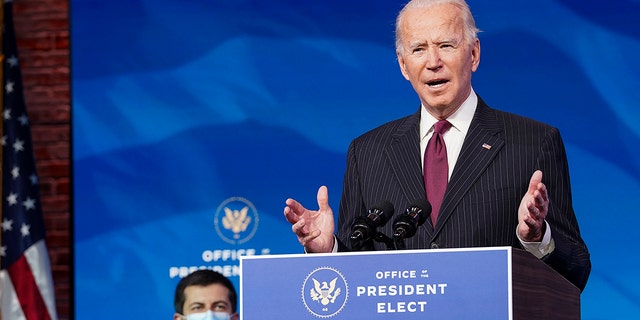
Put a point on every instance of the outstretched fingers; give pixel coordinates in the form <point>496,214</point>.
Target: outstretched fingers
<point>293,210</point>
<point>533,209</point>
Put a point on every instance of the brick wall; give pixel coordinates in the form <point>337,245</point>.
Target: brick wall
<point>42,32</point>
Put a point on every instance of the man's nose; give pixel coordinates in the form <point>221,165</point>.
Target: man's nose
<point>433,61</point>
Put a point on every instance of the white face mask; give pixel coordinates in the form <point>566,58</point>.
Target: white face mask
<point>209,315</point>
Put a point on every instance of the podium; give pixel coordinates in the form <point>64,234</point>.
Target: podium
<point>471,283</point>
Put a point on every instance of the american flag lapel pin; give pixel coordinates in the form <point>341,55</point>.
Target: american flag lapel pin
<point>486,146</point>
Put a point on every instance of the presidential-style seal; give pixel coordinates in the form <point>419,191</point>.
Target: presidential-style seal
<point>325,292</point>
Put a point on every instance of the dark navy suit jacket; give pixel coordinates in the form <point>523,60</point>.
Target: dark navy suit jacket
<point>480,207</point>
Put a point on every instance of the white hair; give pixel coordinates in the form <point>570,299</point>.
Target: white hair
<point>470,30</point>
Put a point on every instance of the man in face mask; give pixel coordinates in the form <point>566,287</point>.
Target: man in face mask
<point>205,295</point>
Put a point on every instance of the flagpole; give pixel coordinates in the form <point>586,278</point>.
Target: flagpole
<point>1,122</point>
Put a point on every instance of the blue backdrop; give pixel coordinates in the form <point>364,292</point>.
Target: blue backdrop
<point>194,120</point>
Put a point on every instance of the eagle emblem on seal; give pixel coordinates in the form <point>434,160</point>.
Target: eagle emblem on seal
<point>324,292</point>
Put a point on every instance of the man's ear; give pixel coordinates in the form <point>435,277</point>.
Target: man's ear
<point>475,55</point>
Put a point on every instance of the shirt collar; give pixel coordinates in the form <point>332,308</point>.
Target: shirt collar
<point>460,120</point>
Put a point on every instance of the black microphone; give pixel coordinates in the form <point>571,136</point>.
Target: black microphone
<point>406,224</point>
<point>364,227</point>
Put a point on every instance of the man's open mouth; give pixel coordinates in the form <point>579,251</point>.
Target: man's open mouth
<point>437,82</point>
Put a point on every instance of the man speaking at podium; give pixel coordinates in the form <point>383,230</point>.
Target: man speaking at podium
<point>492,178</point>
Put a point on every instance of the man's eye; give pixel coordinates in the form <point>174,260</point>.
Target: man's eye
<point>221,307</point>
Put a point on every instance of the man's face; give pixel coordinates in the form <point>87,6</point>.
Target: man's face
<point>214,297</point>
<point>436,58</point>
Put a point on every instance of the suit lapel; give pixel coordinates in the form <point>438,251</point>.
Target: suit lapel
<point>482,143</point>
<point>404,158</point>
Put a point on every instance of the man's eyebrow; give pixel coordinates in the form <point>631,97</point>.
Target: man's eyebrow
<point>195,304</point>
<point>417,44</point>
<point>453,40</point>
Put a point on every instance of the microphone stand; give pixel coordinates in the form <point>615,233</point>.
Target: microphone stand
<point>398,238</point>
<point>381,237</point>
<point>360,244</point>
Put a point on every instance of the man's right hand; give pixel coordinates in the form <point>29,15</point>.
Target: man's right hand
<point>314,229</point>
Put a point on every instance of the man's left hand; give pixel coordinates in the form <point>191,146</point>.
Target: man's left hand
<point>533,210</point>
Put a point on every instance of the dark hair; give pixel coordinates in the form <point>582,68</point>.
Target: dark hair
<point>203,278</point>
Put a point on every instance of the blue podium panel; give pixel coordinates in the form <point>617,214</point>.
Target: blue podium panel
<point>414,284</point>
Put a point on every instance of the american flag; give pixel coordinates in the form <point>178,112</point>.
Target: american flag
<point>26,287</point>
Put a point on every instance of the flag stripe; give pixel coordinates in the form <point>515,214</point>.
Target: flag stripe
<point>27,290</point>
<point>38,258</point>
<point>10,306</point>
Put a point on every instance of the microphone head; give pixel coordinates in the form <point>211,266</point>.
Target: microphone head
<point>421,208</point>
<point>381,212</point>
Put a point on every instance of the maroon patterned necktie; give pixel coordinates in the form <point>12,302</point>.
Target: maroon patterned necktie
<point>436,168</point>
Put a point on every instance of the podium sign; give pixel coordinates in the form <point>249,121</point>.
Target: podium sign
<point>469,283</point>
